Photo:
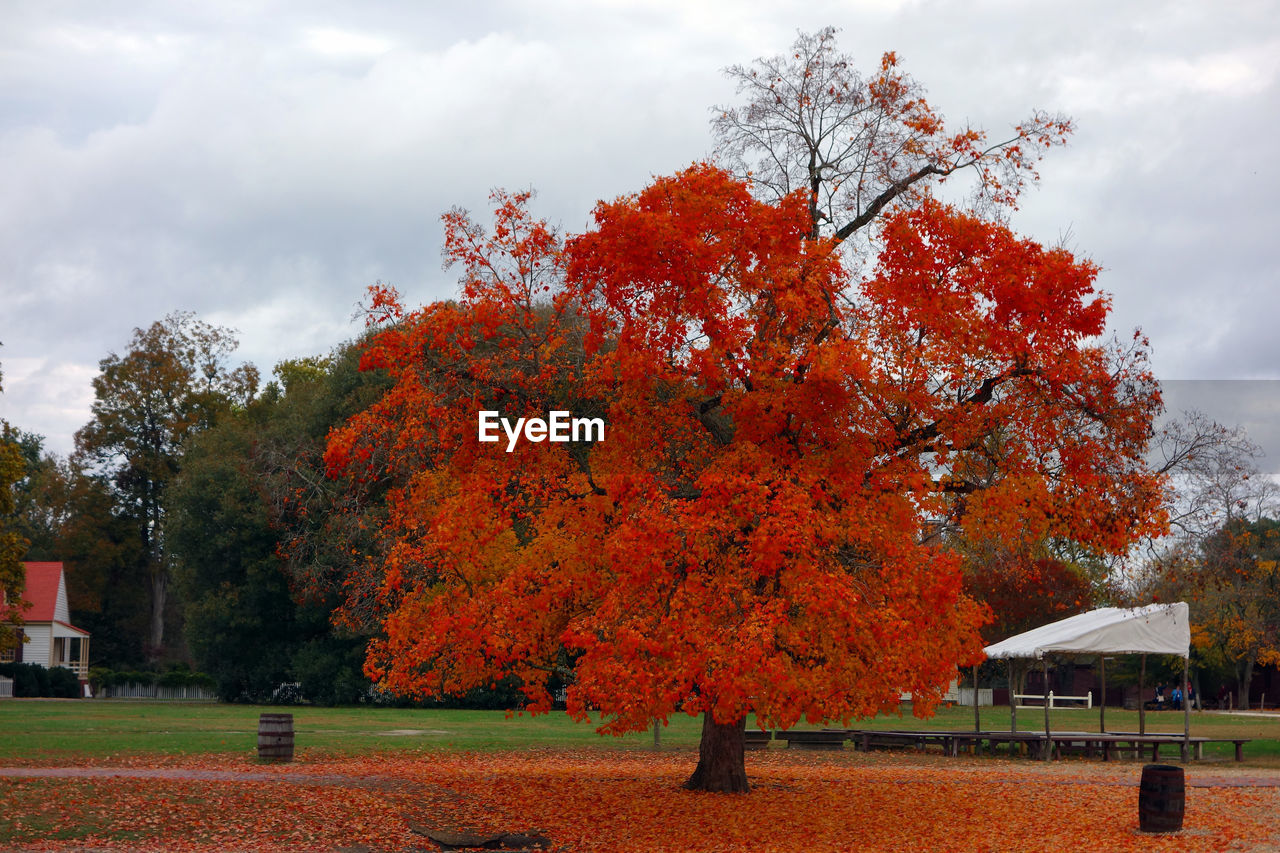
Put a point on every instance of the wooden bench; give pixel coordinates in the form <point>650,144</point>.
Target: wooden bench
<point>811,739</point>
<point>869,739</point>
<point>1031,741</point>
<point>1239,744</point>
<point>1136,742</point>
<point>756,739</point>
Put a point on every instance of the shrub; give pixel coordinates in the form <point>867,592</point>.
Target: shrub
<point>136,677</point>
<point>63,683</point>
<point>328,670</point>
<point>180,676</point>
<point>33,681</point>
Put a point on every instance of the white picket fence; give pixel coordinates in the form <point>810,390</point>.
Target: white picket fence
<point>1055,700</point>
<point>155,691</point>
<point>6,687</point>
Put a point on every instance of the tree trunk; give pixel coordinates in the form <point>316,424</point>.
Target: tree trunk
<point>721,757</point>
<point>159,590</point>
<point>1243,704</point>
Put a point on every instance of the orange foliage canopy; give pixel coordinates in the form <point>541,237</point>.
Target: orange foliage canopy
<point>747,540</point>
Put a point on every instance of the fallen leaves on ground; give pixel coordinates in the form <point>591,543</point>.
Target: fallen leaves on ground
<point>614,801</point>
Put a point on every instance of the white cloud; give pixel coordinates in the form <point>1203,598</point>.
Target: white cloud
<point>262,164</point>
<point>150,48</point>
<point>1098,82</point>
<point>335,42</point>
<point>53,397</point>
<point>1233,74</point>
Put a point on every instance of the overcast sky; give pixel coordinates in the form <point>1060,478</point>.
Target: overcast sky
<point>261,163</point>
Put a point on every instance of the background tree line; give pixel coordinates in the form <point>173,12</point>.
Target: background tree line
<point>184,507</point>
<point>199,526</point>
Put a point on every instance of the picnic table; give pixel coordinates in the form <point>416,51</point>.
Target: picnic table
<point>1107,744</point>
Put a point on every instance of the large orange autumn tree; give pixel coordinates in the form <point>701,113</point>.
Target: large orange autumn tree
<point>750,540</point>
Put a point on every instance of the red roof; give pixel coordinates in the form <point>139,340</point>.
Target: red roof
<point>42,590</point>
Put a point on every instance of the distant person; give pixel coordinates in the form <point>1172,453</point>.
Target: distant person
<point>1176,696</point>
<point>1224,698</point>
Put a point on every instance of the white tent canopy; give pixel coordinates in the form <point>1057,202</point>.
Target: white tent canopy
<point>1162,629</point>
<point>1154,629</point>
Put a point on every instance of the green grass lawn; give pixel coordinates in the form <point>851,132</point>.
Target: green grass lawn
<point>46,729</point>
<point>73,730</point>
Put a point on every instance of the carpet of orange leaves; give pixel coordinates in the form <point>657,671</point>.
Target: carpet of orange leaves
<point>613,801</point>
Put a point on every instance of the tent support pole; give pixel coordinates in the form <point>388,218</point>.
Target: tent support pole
<point>1142,696</point>
<point>1102,701</point>
<point>1048,744</point>
<point>1186,709</point>
<point>1013,695</point>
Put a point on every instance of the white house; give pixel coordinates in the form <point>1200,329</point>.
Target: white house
<point>51,638</point>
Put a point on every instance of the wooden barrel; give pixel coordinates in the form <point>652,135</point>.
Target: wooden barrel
<point>275,737</point>
<point>1161,798</point>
